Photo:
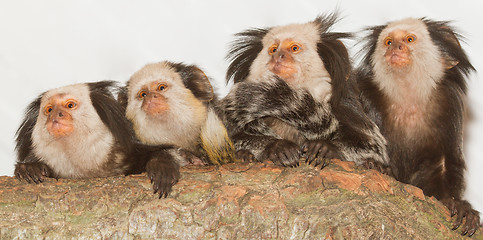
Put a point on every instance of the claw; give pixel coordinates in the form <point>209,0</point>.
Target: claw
<point>163,173</point>
<point>463,211</point>
<point>283,152</point>
<point>32,172</point>
<point>318,152</point>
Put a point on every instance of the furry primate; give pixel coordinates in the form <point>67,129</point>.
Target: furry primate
<point>80,131</point>
<point>292,98</point>
<point>413,82</point>
<point>171,103</point>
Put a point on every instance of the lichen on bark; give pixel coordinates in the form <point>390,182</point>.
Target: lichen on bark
<point>233,201</point>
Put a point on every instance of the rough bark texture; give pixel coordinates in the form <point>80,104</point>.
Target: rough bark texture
<point>235,201</point>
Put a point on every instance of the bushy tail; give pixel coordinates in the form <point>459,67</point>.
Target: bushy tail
<point>215,140</point>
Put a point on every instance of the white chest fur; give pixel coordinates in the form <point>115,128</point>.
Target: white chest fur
<point>180,126</point>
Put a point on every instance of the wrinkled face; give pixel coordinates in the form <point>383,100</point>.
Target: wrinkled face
<point>162,109</point>
<point>290,52</point>
<point>402,43</point>
<point>152,97</point>
<point>154,89</point>
<point>398,47</point>
<point>58,111</point>
<point>283,54</point>
<point>61,108</point>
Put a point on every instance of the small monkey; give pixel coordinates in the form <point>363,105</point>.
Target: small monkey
<point>412,79</point>
<point>171,103</point>
<point>79,131</point>
<point>292,97</point>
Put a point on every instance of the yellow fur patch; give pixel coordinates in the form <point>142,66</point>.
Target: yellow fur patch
<point>215,141</point>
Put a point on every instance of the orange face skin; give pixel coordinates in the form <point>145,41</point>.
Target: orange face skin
<point>154,103</point>
<point>398,52</point>
<point>59,118</point>
<point>282,62</point>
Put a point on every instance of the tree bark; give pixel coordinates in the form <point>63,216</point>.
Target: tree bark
<point>233,201</point>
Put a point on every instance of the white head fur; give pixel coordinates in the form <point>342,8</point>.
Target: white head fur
<point>311,73</point>
<point>418,79</point>
<point>180,124</point>
<point>85,150</point>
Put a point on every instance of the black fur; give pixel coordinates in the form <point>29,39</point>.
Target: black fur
<point>417,160</point>
<point>111,113</point>
<point>195,80</point>
<point>340,123</point>
<point>246,107</point>
<point>448,41</point>
<point>29,166</point>
<point>162,168</point>
<point>244,51</point>
<point>122,97</point>
<point>159,162</point>
<point>24,133</point>
<point>334,54</point>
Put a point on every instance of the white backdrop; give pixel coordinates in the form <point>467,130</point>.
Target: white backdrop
<point>47,44</point>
